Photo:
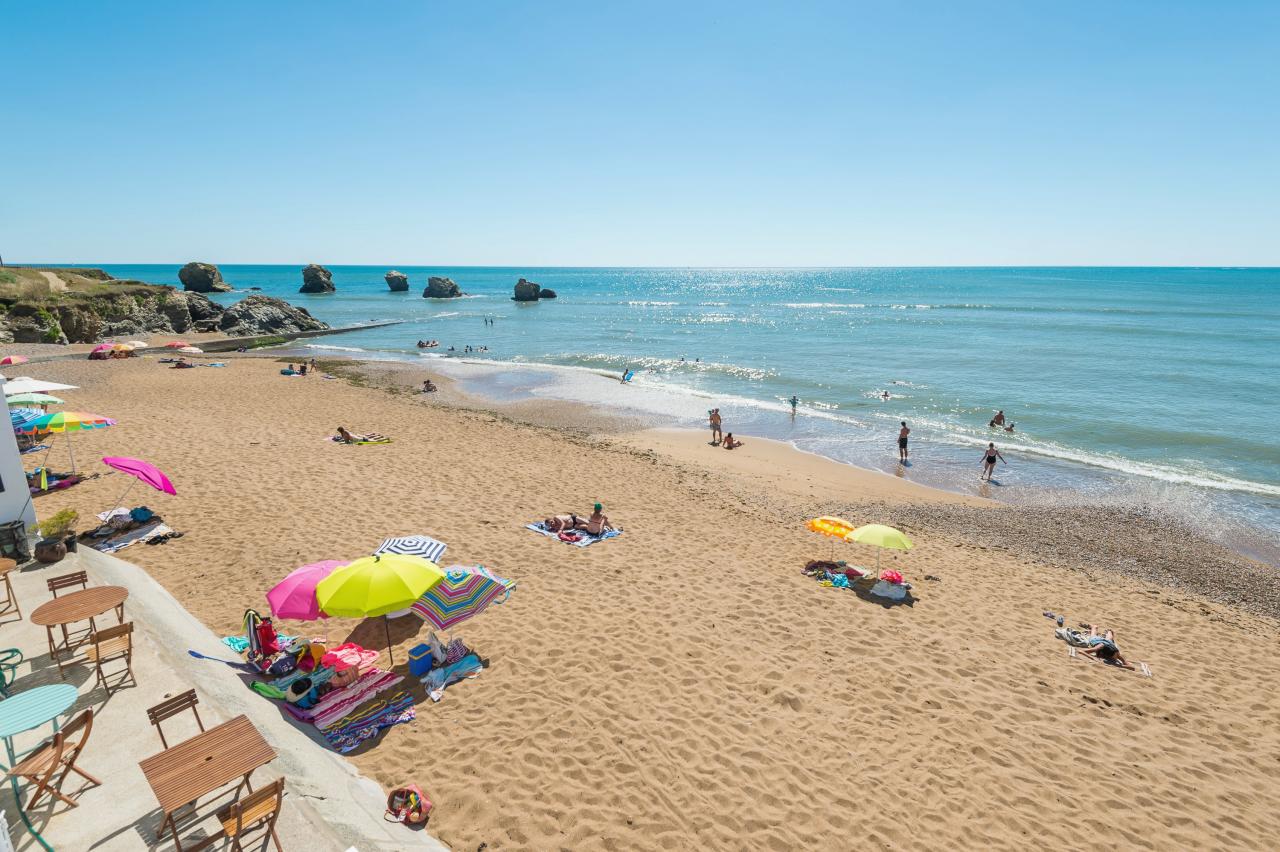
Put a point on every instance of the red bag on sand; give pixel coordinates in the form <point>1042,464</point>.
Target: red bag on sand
<point>569,536</point>
<point>407,804</point>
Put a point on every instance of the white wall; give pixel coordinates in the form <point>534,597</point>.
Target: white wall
<point>15,499</point>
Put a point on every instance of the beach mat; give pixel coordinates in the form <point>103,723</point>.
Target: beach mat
<point>143,533</point>
<point>587,539</point>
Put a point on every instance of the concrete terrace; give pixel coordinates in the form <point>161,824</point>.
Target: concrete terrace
<point>327,805</point>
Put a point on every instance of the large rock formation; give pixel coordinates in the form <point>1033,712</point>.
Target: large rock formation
<point>202,278</point>
<point>441,288</point>
<point>316,279</point>
<point>544,293</point>
<point>255,315</point>
<point>526,291</point>
<point>397,281</point>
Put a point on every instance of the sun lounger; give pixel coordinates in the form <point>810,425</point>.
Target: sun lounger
<point>584,538</point>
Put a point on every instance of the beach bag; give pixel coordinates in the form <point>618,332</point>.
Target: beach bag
<point>407,804</point>
<point>268,641</point>
<point>570,536</point>
<point>283,665</point>
<point>891,576</point>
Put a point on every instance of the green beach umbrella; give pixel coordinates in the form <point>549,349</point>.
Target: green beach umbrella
<point>33,399</point>
<point>377,585</point>
<point>881,536</point>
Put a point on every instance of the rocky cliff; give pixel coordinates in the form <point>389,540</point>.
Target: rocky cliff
<point>67,306</point>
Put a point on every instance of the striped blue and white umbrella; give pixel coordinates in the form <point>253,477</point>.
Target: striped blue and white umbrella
<point>414,545</point>
<point>20,417</point>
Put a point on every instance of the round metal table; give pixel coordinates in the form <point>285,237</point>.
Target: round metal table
<point>83,605</point>
<point>28,710</point>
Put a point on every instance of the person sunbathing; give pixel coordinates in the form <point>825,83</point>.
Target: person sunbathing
<point>594,525</point>
<point>1102,646</point>
<point>730,443</point>
<point>561,523</point>
<point>345,437</point>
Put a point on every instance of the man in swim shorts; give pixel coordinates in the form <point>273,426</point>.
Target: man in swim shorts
<point>902,441</point>
<point>714,418</point>
<point>998,420</point>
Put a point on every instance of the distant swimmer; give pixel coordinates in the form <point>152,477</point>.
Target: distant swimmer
<point>989,462</point>
<point>998,420</point>
<point>795,400</point>
<point>1009,428</point>
<point>885,396</point>
<point>902,441</point>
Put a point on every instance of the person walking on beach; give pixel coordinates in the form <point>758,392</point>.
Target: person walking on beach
<point>902,441</point>
<point>989,462</point>
<point>714,417</point>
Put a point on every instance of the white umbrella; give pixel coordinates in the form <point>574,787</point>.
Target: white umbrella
<point>135,344</point>
<point>26,384</point>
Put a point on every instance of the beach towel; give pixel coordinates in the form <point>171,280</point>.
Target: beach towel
<point>340,702</point>
<point>366,722</point>
<point>146,532</point>
<point>37,448</point>
<point>437,679</point>
<point>585,539</point>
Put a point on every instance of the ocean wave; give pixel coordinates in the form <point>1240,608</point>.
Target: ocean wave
<point>799,305</point>
<point>331,347</point>
<point>445,314</point>
<point>645,304</point>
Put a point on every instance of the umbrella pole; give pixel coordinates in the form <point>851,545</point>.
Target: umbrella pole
<point>387,625</point>
<point>71,449</point>
<point>120,500</point>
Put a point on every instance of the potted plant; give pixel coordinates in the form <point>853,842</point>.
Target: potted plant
<point>54,532</point>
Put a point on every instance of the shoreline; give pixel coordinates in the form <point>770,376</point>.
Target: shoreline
<point>682,668</point>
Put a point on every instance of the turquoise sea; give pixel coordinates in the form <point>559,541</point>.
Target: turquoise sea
<point>1151,386</point>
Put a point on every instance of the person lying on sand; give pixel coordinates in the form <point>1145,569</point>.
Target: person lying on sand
<point>594,525</point>
<point>1102,646</point>
<point>731,443</point>
<point>562,523</point>
<point>344,436</point>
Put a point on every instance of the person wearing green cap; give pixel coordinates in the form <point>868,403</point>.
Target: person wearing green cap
<point>597,523</point>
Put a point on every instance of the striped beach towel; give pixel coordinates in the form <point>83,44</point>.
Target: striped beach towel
<point>367,721</point>
<point>585,540</point>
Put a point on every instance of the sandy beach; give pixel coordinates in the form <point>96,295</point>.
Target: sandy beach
<point>684,685</point>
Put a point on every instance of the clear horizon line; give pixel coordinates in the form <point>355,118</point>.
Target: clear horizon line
<point>68,263</point>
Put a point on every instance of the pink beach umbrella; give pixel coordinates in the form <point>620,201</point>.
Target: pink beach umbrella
<point>11,360</point>
<point>295,595</point>
<point>141,471</point>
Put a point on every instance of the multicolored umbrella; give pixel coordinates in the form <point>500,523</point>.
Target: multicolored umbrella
<point>464,592</point>
<point>377,585</point>
<point>295,595</point>
<point>68,421</point>
<point>11,360</point>
<point>414,545</point>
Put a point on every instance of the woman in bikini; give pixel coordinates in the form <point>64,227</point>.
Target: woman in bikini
<point>731,443</point>
<point>594,525</point>
<point>989,462</point>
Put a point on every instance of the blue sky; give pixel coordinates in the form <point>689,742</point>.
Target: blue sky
<point>698,134</point>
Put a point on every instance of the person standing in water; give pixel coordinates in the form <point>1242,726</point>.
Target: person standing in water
<point>714,417</point>
<point>902,441</point>
<point>989,462</point>
<point>998,420</point>
<point>795,400</point>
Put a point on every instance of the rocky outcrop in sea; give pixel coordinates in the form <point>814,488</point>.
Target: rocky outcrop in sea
<point>316,279</point>
<point>202,278</point>
<point>441,288</point>
<point>526,291</point>
<point>397,281</point>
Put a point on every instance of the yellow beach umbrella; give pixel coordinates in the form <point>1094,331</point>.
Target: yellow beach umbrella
<point>881,536</point>
<point>831,527</point>
<point>377,585</point>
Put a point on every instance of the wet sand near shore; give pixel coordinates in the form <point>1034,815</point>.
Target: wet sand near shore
<point>683,685</point>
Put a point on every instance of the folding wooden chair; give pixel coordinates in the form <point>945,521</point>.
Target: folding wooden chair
<point>172,707</point>
<point>259,808</point>
<point>66,581</point>
<point>113,643</point>
<point>56,754</point>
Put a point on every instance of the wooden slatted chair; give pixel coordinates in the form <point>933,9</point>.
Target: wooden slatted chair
<point>113,643</point>
<point>67,581</point>
<point>57,754</point>
<point>259,808</point>
<point>172,707</point>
